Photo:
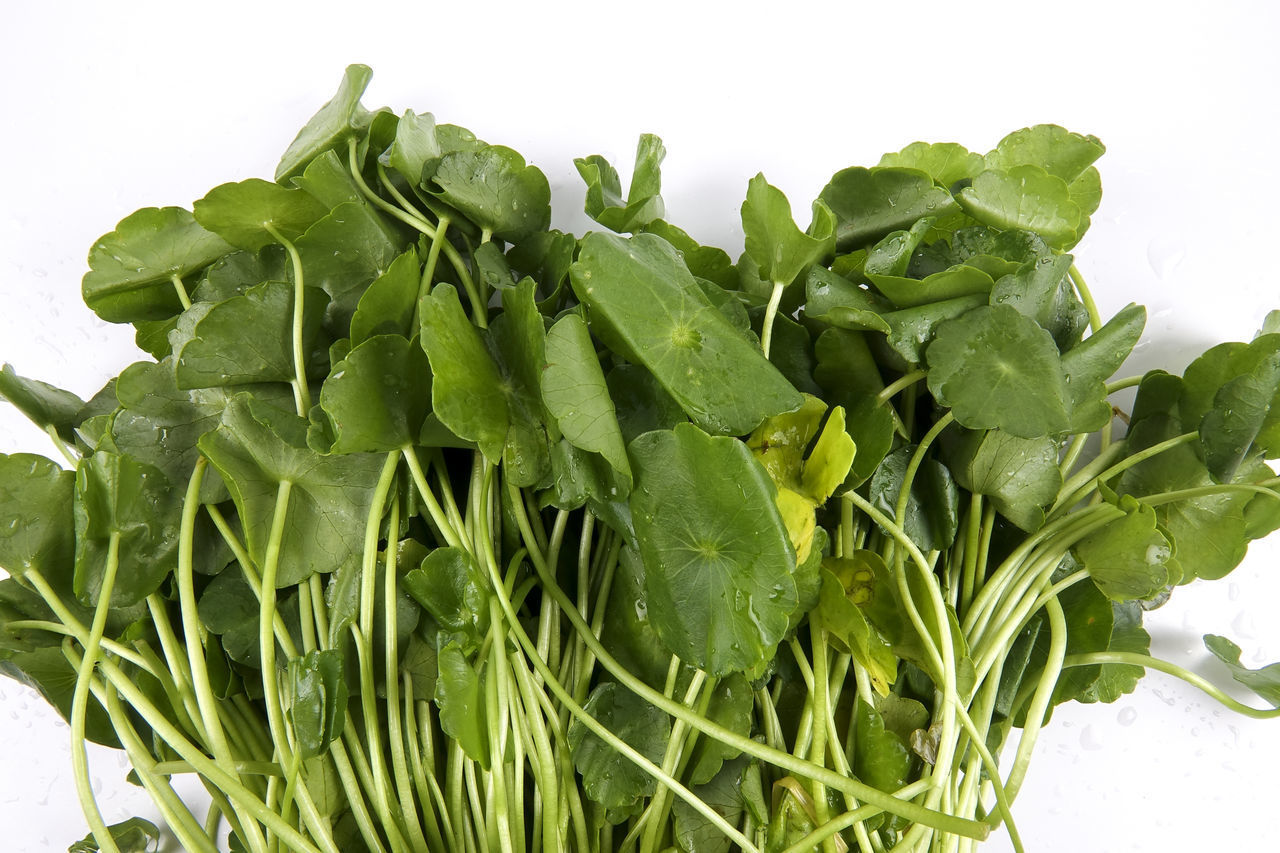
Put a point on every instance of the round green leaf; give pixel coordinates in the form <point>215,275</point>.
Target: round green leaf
<point>240,213</point>
<point>495,189</point>
<point>996,367</point>
<point>1024,197</point>
<point>718,561</point>
<point>131,269</point>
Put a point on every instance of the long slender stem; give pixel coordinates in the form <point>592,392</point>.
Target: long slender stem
<point>80,701</point>
<point>301,391</point>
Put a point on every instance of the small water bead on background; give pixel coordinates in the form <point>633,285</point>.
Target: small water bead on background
<point>1127,716</point>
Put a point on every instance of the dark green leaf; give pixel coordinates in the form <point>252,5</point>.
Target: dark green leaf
<point>707,262</point>
<point>119,495</point>
<point>255,449</point>
<point>450,587</point>
<point>343,253</point>
<point>870,203</point>
<point>387,306</point>
<point>881,758</point>
<point>46,406</point>
<point>337,119</point>
<point>1088,365</point>
<point>461,698</point>
<point>1041,290</point>
<point>1020,475</point>
<point>35,498</point>
<point>892,255</point>
<point>997,368</point>
<point>1129,558</point>
<point>731,706</point>
<point>643,301</point>
<point>318,709</point>
<point>517,339</point>
<point>717,558</point>
<point>642,403</point>
<point>247,339</point>
<point>608,777</point>
<point>415,145</point>
<point>377,397</point>
<point>466,393</point>
<point>1127,635</point>
<point>246,213</point>
<point>932,509</point>
<point>724,794</point>
<point>953,282</point>
<point>496,190</point>
<point>131,269</point>
<point>575,393</point>
<point>841,303</point>
<point>911,329</point>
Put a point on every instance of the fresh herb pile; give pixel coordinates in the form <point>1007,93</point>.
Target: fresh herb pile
<point>431,529</point>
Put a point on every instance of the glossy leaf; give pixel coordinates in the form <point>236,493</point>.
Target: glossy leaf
<point>1058,151</point>
<point>335,121</point>
<point>318,707</point>
<point>46,406</point>
<point>651,307</point>
<point>386,308</point>
<point>945,162</point>
<point>131,269</point>
<point>892,255</point>
<point>1127,635</point>
<point>912,329</point>
<point>1025,197</point>
<point>643,202</point>
<point>846,583</point>
<point>35,497</point>
<point>450,587</point>
<point>343,253</point>
<point>496,190</point>
<point>997,368</point>
<point>415,145</point>
<point>951,283</point>
<point>247,339</point>
<point>1129,558</point>
<point>1088,365</point>
<point>1020,475</point>
<point>1265,681</point>
<point>119,495</point>
<point>840,303</point>
<point>460,696</point>
<point>780,249</point>
<point>880,757</point>
<point>932,509</point>
<point>255,449</point>
<point>576,395</point>
<point>134,835</point>
<point>718,562</point>
<point>724,793</point>
<point>732,705</point>
<point>870,203</point>
<point>1042,291</point>
<point>466,391</point>
<point>244,214</point>
<point>608,777</point>
<point>377,398</point>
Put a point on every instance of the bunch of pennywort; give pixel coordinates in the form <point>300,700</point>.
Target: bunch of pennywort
<point>428,528</point>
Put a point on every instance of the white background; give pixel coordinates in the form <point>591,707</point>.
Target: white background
<point>112,107</point>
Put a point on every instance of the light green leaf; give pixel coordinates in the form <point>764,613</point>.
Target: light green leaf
<point>945,162</point>
<point>642,300</point>
<point>1025,197</point>
<point>1265,681</point>
<point>643,203</point>
<point>870,203</point>
<point>386,308</point>
<point>343,253</point>
<point>951,283</point>
<point>1129,558</point>
<point>780,249</point>
<point>1042,291</point>
<point>892,255</point>
<point>718,563</point>
<point>415,145</point>
<point>845,582</point>
<point>131,269</point>
<point>997,368</point>
<point>1054,149</point>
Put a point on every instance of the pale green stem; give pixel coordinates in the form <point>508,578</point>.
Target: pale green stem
<point>181,290</point>
<point>770,312</point>
<point>80,701</point>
